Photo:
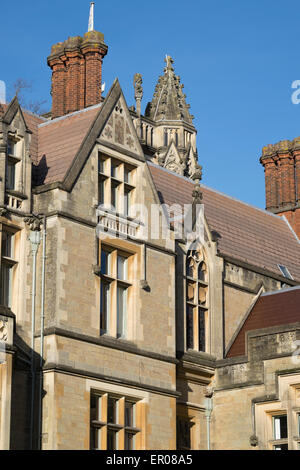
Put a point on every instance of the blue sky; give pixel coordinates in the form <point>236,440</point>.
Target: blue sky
<point>236,58</point>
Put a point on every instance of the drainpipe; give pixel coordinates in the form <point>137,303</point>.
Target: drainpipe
<point>42,333</point>
<point>208,411</point>
<point>34,238</point>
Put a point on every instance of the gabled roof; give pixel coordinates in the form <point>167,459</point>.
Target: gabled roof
<point>31,120</point>
<point>65,143</point>
<point>271,309</point>
<point>245,233</point>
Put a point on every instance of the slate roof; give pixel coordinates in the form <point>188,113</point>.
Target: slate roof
<point>271,309</point>
<point>59,141</point>
<point>32,122</point>
<point>245,233</point>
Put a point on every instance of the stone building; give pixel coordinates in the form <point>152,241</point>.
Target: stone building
<point>117,330</point>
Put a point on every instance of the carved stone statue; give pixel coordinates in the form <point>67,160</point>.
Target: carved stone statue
<point>138,91</point>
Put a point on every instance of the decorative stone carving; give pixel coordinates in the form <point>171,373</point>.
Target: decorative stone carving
<point>253,440</point>
<point>34,223</point>
<point>3,211</point>
<point>118,129</point>
<point>138,89</point>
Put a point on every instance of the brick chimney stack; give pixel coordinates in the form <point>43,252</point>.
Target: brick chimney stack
<point>76,66</point>
<point>282,175</point>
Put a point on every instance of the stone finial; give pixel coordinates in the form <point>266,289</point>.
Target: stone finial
<point>138,91</point>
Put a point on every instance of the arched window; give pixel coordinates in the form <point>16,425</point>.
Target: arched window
<point>196,301</point>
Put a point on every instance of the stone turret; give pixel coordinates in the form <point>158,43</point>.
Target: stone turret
<point>167,129</point>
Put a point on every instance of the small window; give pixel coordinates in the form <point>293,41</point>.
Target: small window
<point>285,272</point>
<point>117,429</point>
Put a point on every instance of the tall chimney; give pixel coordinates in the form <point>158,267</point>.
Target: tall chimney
<point>76,66</point>
<point>282,176</point>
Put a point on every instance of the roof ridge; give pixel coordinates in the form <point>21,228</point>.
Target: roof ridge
<point>216,191</point>
<point>34,114</point>
<point>98,105</point>
<point>281,291</point>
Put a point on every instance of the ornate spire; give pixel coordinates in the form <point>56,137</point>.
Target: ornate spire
<point>168,102</point>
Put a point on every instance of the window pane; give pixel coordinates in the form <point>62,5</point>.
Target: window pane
<point>280,427</point>
<point>127,197</point>
<point>129,441</point>
<point>190,267</point>
<point>121,311</point>
<point>11,147</point>
<point>10,175</point>
<point>101,165</point>
<point>95,438</point>
<point>189,328</point>
<point>104,307</point>
<point>202,295</point>
<point>94,408</point>
<point>114,197</point>
<point>129,414</point>
<point>201,329</point>
<point>202,272</point>
<point>7,245</point>
<point>111,439</point>
<point>5,294</point>
<point>114,170</point>
<point>101,191</point>
<point>127,175</point>
<point>112,410</point>
<point>105,262</point>
<point>122,268</point>
<point>190,292</point>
